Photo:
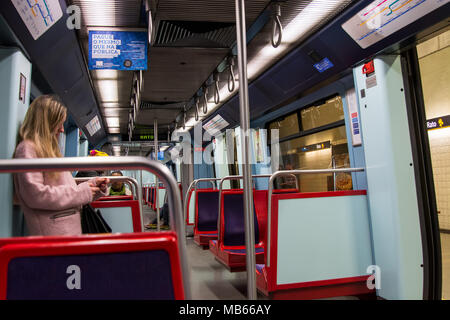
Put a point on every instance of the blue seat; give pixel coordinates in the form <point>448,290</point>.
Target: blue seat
<point>234,226</point>
<point>207,210</point>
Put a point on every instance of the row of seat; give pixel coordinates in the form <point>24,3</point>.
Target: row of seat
<point>91,267</point>
<point>82,267</point>
<point>222,231</point>
<point>149,195</point>
<point>229,247</point>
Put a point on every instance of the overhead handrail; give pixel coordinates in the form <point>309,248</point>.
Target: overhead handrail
<point>216,86</point>
<point>231,77</point>
<point>205,97</point>
<point>295,172</point>
<point>110,163</point>
<point>193,185</point>
<point>276,14</point>
<point>196,109</point>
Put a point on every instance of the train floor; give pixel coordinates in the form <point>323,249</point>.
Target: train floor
<point>209,279</point>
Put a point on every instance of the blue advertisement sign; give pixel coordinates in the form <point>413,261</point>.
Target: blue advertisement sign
<point>323,65</point>
<point>118,50</point>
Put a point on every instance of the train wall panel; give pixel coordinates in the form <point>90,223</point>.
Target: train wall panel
<point>13,64</point>
<point>391,183</point>
<point>323,238</point>
<point>191,218</point>
<point>72,143</point>
<point>119,219</point>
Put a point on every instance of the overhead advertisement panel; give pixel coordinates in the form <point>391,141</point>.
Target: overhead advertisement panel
<point>384,17</point>
<point>118,50</point>
<point>38,15</point>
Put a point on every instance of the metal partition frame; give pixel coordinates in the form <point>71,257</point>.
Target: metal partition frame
<point>131,182</point>
<point>290,172</point>
<point>102,163</point>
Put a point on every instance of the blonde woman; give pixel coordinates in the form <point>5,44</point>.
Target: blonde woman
<point>51,201</point>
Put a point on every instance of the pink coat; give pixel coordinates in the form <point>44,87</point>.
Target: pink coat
<point>50,207</point>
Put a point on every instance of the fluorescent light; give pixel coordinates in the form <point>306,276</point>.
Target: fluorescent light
<point>191,122</point>
<point>112,122</point>
<point>98,13</point>
<point>111,105</point>
<point>108,90</point>
<point>104,74</point>
<point>114,130</point>
<point>163,148</point>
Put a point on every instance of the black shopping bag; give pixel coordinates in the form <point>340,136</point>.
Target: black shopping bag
<point>92,221</point>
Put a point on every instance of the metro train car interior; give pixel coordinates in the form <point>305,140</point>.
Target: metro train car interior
<point>260,150</point>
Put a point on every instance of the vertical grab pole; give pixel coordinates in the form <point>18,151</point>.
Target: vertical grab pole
<point>245,146</point>
<point>155,139</point>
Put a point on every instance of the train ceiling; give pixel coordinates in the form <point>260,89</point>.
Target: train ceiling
<point>191,40</point>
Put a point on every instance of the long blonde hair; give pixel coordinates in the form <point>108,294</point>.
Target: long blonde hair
<point>41,120</point>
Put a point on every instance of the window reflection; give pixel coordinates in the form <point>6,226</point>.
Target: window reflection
<point>322,114</point>
<point>323,149</point>
<point>287,126</point>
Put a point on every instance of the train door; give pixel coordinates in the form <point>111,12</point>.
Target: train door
<point>433,57</point>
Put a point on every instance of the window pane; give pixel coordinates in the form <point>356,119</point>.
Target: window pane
<point>322,114</point>
<point>325,149</point>
<point>287,125</point>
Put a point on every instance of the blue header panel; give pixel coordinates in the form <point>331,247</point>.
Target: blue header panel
<point>118,50</point>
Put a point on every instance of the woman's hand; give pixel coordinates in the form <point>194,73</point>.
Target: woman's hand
<point>102,183</point>
<point>97,185</point>
<point>94,189</point>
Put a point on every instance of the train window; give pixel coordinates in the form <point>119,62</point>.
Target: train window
<point>322,114</point>
<point>319,141</point>
<point>325,149</point>
<point>287,125</point>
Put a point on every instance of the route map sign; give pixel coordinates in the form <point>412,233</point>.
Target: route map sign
<point>384,17</point>
<point>38,15</point>
<point>118,50</point>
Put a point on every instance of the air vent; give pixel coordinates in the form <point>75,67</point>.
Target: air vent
<point>195,34</point>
